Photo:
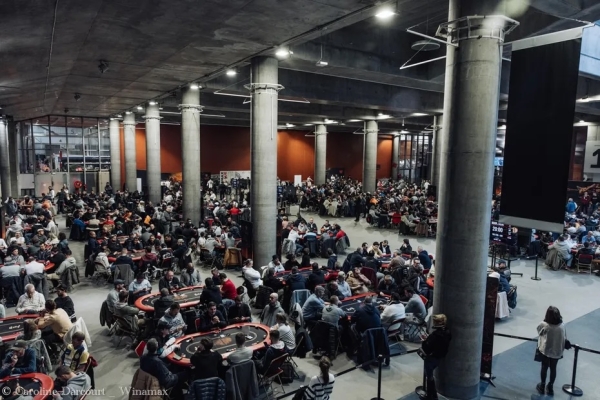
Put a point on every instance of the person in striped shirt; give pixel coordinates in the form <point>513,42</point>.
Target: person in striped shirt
<point>320,386</point>
<point>285,332</point>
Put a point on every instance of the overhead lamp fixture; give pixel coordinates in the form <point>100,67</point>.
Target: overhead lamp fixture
<point>581,121</point>
<point>160,108</point>
<point>289,125</point>
<point>283,52</point>
<point>322,63</point>
<point>231,72</point>
<point>354,120</point>
<point>308,124</point>
<point>403,131</point>
<point>419,114</point>
<point>385,13</point>
<point>502,127</point>
<point>152,103</point>
<point>194,86</point>
<point>140,108</point>
<point>383,116</point>
<point>119,116</point>
<point>127,112</point>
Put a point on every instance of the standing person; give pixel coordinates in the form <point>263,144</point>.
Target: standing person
<point>320,386</point>
<point>435,347</point>
<point>552,341</point>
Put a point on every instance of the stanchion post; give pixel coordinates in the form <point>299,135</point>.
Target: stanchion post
<point>536,278</point>
<point>421,391</point>
<point>572,389</point>
<point>380,362</point>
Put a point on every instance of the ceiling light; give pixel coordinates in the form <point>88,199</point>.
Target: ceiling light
<point>581,121</point>
<point>231,72</point>
<point>322,63</point>
<point>290,125</point>
<point>152,102</point>
<point>127,112</point>
<point>194,86</point>
<point>502,127</point>
<point>119,116</point>
<point>283,53</point>
<point>419,114</point>
<point>354,120</point>
<point>385,13</point>
<point>160,108</point>
<point>383,116</point>
<point>308,124</point>
<point>140,108</point>
<point>403,131</point>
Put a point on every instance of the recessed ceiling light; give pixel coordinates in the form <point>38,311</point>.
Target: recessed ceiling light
<point>127,112</point>
<point>140,108</point>
<point>231,72</point>
<point>194,86</point>
<point>385,13</point>
<point>282,52</point>
<point>152,102</point>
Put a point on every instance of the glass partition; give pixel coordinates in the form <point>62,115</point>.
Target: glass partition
<point>414,157</point>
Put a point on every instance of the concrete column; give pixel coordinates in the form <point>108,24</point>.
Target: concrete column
<point>436,150</point>
<point>190,152</point>
<point>153,153</point>
<point>395,156</point>
<point>466,180</point>
<point>130,152</point>
<point>263,149</point>
<point>593,133</point>
<point>4,162</point>
<point>370,157</point>
<point>13,148</point>
<point>115,154</point>
<point>320,154</point>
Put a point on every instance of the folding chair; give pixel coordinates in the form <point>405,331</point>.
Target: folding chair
<point>291,358</point>
<point>139,350</point>
<point>395,330</point>
<point>126,330</point>
<point>273,371</point>
<point>585,261</point>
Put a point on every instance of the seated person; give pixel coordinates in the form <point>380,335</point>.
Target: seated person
<point>75,357</point>
<point>163,303</point>
<point>251,275</point>
<point>14,258</point>
<point>169,281</point>
<point>387,286</point>
<point>358,282</point>
<point>239,312</point>
<point>228,290</point>
<point>415,309</point>
<point>212,319</point>
<point>31,302</point>
<point>54,323</point>
<point>129,313</point>
<point>149,258</point>
<point>190,276</point>
<point>64,268</point>
<point>285,332</point>
<point>211,293</point>
<point>385,248</point>
<point>311,311</point>
<point>317,277</point>
<point>174,320</point>
<point>139,287</point>
<point>296,281</point>
<point>63,300</point>
<point>115,246</point>
<point>331,312</point>
<point>563,248</point>
<point>586,249</point>
<point>207,363</point>
<point>276,264</point>
<point>241,353</point>
<point>19,360</point>
<point>268,316</point>
<point>331,259</point>
<point>124,259</point>
<point>366,317</point>
<point>113,296</point>
<point>291,262</point>
<point>166,343</point>
<point>153,365</point>
<point>275,349</point>
<point>332,289</point>
<point>75,383</point>
<point>393,311</point>
<point>135,245</point>
<point>343,286</point>
<point>272,281</point>
<point>12,390</point>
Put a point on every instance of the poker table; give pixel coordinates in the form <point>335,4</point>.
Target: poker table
<point>11,327</point>
<point>302,271</point>
<point>223,341</point>
<point>135,256</point>
<point>351,304</point>
<point>47,267</point>
<point>186,297</point>
<point>41,385</point>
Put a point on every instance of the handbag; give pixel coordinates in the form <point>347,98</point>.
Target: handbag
<point>539,357</point>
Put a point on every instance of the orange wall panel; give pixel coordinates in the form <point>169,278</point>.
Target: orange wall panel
<point>345,150</point>
<point>384,158</point>
<point>295,155</point>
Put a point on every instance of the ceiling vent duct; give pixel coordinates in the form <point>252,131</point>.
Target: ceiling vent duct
<point>425,45</point>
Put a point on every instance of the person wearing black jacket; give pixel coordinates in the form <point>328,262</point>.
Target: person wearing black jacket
<point>211,293</point>
<point>296,281</point>
<point>212,319</point>
<point>239,312</point>
<point>170,282</point>
<point>387,286</point>
<point>435,348</point>
<point>207,363</point>
<point>272,281</point>
<point>57,258</point>
<point>317,277</point>
<point>366,317</point>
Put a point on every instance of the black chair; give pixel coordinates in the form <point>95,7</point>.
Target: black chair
<point>262,297</point>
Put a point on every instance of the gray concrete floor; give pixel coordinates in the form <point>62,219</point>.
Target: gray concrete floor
<point>575,295</point>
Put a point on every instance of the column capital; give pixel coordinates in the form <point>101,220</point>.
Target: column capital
<point>264,87</point>
<point>151,117</point>
<point>371,131</point>
<point>191,107</point>
<point>477,27</point>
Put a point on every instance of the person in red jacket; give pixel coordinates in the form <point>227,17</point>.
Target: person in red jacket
<point>228,289</point>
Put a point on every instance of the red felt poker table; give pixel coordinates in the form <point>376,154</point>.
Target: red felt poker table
<point>223,341</point>
<point>285,274</point>
<point>351,304</point>
<point>41,385</point>
<point>186,297</point>
<point>135,256</point>
<point>11,327</point>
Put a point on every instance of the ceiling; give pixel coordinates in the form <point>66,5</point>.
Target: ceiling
<point>50,52</point>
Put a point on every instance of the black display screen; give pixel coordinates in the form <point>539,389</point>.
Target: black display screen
<point>500,232</point>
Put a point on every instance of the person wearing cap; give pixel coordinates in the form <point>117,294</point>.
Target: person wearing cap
<point>31,302</point>
<point>435,347</point>
<point>295,280</point>
<point>19,360</point>
<point>113,296</point>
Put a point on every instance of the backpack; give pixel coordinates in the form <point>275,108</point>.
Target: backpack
<point>287,376</point>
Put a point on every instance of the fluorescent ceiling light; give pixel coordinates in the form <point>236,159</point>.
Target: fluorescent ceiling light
<point>140,108</point>
<point>385,13</point>
<point>322,63</point>
<point>419,114</point>
<point>152,103</point>
<point>231,72</point>
<point>581,121</point>
<point>127,112</point>
<point>290,125</point>
<point>403,131</point>
<point>354,120</point>
<point>308,124</point>
<point>383,116</point>
<point>502,127</point>
<point>282,52</point>
<point>194,86</point>
<point>296,101</point>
